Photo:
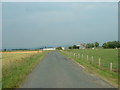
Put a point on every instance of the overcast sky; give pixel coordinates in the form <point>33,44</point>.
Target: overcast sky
<point>32,25</point>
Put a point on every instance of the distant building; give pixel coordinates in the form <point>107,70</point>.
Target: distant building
<point>49,48</point>
<point>78,45</point>
<point>64,48</point>
<point>82,46</point>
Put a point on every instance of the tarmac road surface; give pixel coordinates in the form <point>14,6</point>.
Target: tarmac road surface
<point>57,71</point>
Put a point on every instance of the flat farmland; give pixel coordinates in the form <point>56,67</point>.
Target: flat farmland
<point>106,56</point>
<point>98,61</point>
<point>17,65</point>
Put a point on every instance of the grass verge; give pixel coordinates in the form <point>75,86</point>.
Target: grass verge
<point>15,73</point>
<point>107,75</point>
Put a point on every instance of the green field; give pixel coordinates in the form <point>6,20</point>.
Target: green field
<point>106,56</point>
<point>16,66</point>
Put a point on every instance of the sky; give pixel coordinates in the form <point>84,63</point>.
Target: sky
<point>0,26</point>
<point>59,0</point>
<point>38,24</point>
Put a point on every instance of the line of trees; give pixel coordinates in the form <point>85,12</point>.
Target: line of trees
<point>111,44</point>
<point>88,45</point>
<point>14,49</point>
<point>73,47</point>
<point>92,45</point>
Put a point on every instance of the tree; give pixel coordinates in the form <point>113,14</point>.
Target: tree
<point>59,48</point>
<point>5,50</point>
<point>111,44</point>
<point>70,47</point>
<point>118,44</point>
<point>90,45</point>
<point>75,47</point>
<point>96,44</point>
<point>105,45</point>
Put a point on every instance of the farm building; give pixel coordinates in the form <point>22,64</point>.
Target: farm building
<point>82,46</point>
<point>49,48</point>
<point>64,48</point>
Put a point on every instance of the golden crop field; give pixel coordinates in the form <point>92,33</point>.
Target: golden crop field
<point>9,59</point>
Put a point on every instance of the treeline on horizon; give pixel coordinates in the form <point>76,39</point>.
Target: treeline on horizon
<point>18,49</point>
<point>22,49</point>
<point>109,44</point>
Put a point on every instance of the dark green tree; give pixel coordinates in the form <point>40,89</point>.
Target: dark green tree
<point>105,45</point>
<point>111,44</point>
<point>5,50</point>
<point>59,48</point>
<point>70,47</point>
<point>75,47</point>
<point>90,45</point>
<point>96,44</point>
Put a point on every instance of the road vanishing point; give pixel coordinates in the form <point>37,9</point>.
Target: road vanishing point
<point>57,71</point>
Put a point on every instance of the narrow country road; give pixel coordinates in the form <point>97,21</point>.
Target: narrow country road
<point>56,71</point>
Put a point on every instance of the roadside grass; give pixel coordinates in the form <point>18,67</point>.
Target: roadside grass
<point>106,56</point>
<point>16,66</point>
<point>0,71</point>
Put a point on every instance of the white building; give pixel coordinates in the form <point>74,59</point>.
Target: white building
<point>63,48</point>
<point>49,48</point>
